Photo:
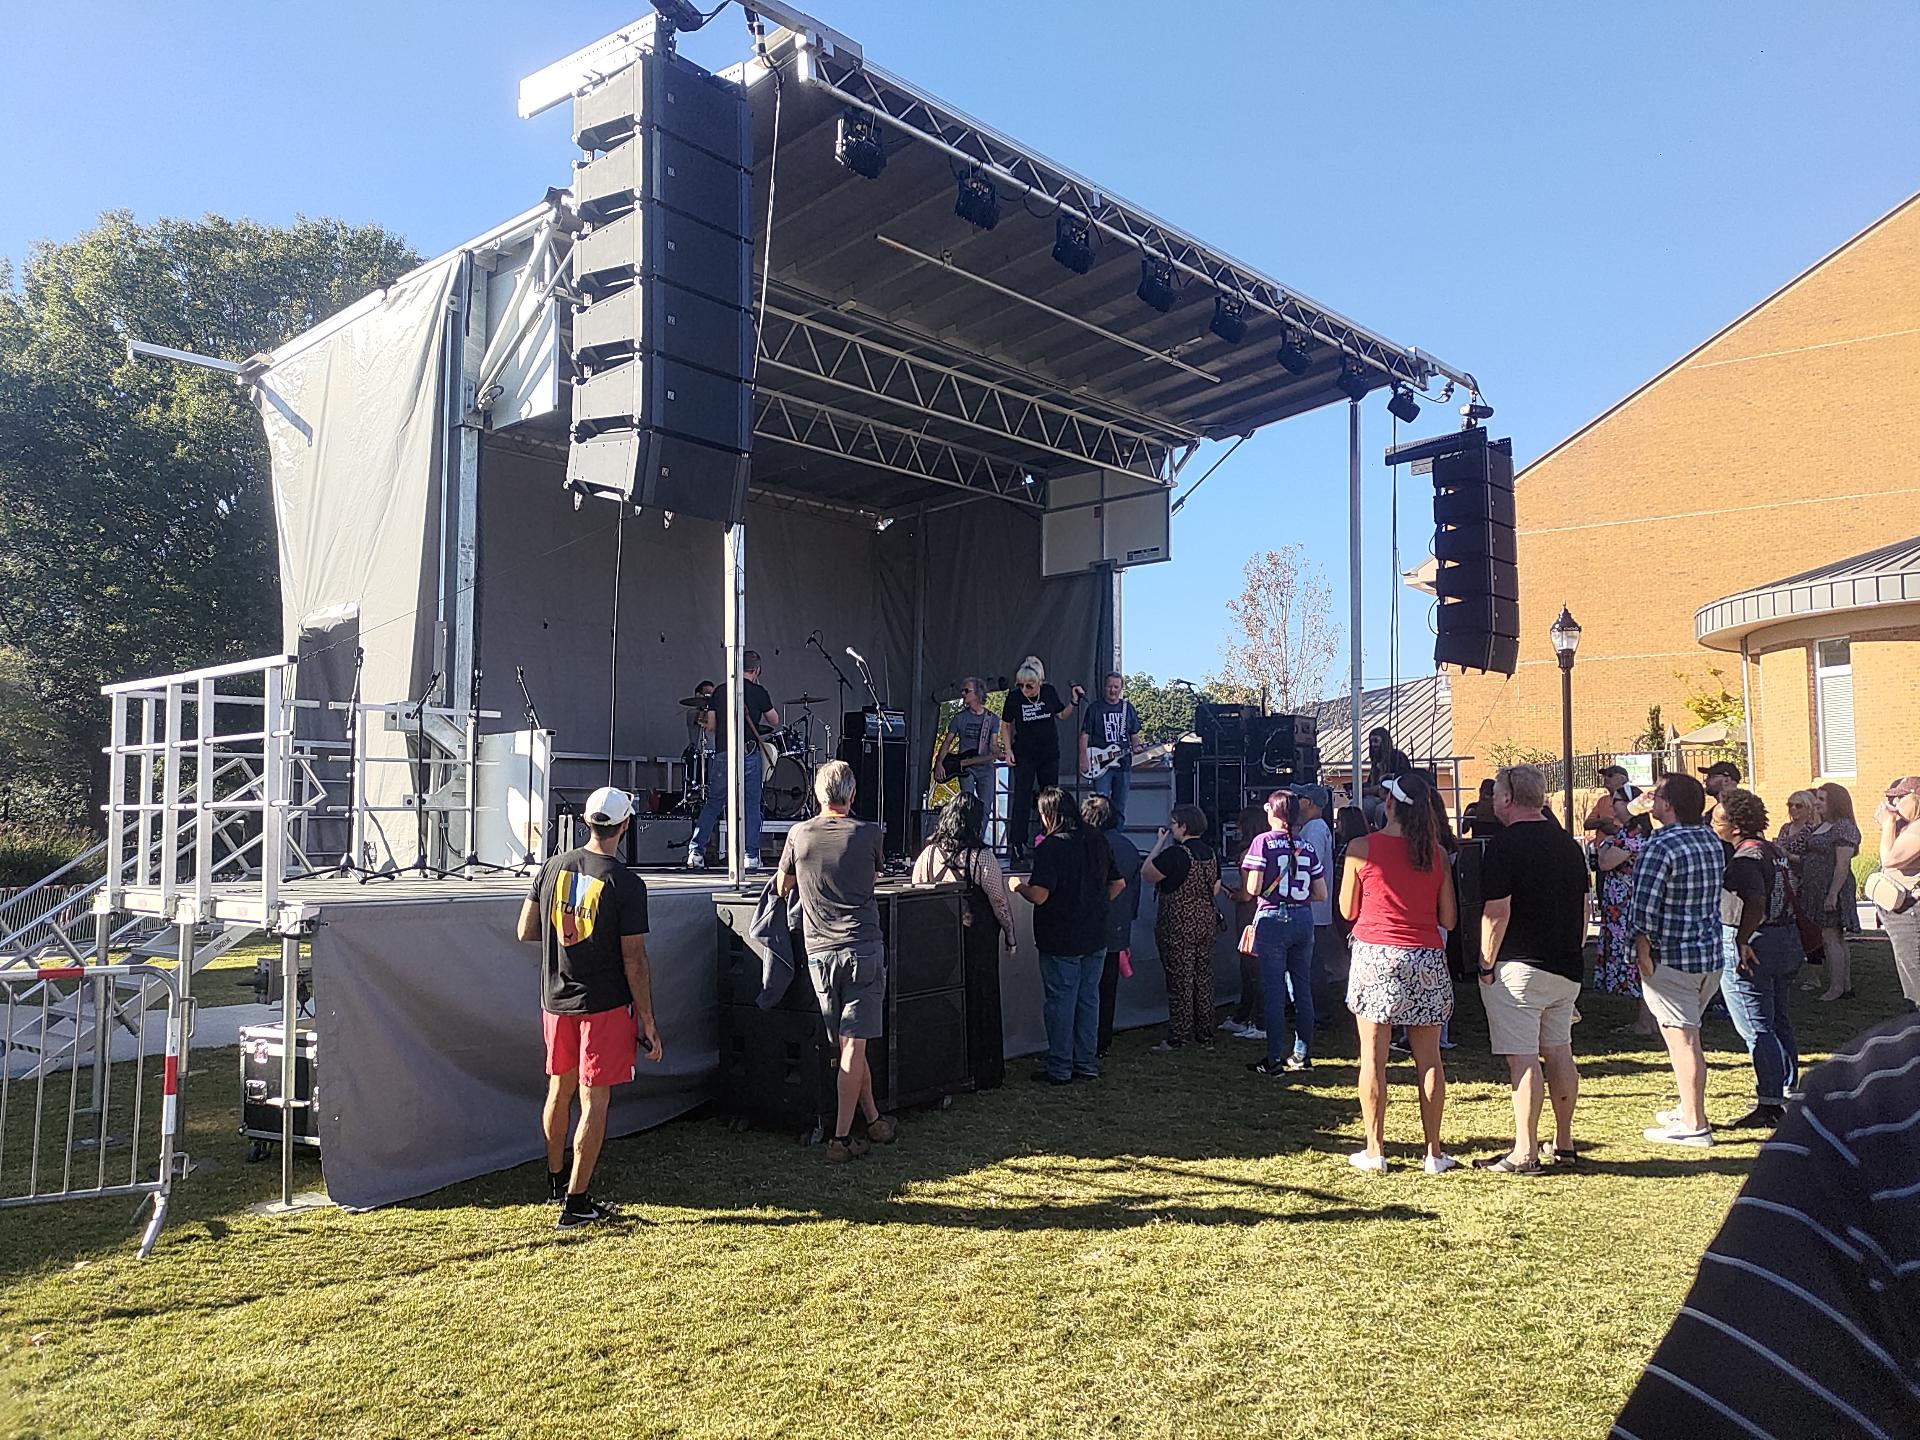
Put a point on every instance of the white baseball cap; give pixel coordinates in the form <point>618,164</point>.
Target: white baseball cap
<point>608,806</point>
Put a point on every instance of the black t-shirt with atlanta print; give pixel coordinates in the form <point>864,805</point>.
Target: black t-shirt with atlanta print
<point>587,902</point>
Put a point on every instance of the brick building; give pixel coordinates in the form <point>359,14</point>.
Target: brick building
<point>1786,442</point>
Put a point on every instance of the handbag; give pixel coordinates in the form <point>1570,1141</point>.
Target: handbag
<point>1246,940</point>
<point>1892,891</point>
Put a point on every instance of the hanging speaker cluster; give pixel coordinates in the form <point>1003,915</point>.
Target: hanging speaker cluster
<point>662,345</point>
<point>1477,624</point>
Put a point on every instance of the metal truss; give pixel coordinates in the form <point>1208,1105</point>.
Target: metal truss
<point>851,81</point>
<point>802,345</point>
<point>827,431</point>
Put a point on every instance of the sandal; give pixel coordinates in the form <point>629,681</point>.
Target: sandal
<point>1505,1165</point>
<point>1556,1156</point>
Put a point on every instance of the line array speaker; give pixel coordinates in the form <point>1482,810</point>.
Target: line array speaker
<point>1478,622</point>
<point>663,341</point>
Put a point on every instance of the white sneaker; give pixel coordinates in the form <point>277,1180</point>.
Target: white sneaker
<point>1670,1118</point>
<point>1439,1164</point>
<point>1674,1135</point>
<point>696,860</point>
<point>1251,1032</point>
<point>754,866</point>
<point>1232,1026</point>
<point>1373,1164</point>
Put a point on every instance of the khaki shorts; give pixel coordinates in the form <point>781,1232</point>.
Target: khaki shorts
<point>1528,1009</point>
<point>851,986</point>
<point>1677,998</point>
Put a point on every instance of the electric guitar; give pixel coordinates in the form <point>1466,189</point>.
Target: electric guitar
<point>1100,759</point>
<point>953,764</point>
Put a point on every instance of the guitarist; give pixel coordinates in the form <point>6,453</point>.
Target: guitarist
<point>972,744</point>
<point>1112,722</point>
<point>760,716</point>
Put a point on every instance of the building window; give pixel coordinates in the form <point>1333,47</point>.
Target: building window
<point>1833,705</point>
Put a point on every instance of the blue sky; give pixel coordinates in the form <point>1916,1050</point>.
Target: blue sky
<point>1560,198</point>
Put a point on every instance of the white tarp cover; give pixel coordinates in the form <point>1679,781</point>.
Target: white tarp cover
<point>352,422</point>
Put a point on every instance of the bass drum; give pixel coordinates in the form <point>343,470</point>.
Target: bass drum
<point>784,795</point>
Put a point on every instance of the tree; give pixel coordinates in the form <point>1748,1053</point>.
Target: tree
<point>1654,737</point>
<point>1166,711</point>
<point>1710,700</point>
<point>136,516</point>
<point>1286,638</point>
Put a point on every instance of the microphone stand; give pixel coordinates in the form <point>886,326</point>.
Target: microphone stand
<point>471,861</point>
<point>880,731</point>
<point>838,674</point>
<point>352,858</point>
<point>533,726</point>
<point>423,777</point>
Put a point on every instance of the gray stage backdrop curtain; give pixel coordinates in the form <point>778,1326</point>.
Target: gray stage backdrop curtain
<point>352,425</point>
<point>429,1028</point>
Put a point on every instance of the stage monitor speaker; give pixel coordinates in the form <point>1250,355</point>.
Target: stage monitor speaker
<point>863,754</point>
<point>663,336</point>
<point>1477,624</point>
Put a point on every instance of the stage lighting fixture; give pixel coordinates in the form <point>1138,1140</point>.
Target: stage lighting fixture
<point>1403,406</point>
<point>856,145</point>
<point>1229,318</point>
<point>1156,283</point>
<point>1073,243</point>
<point>976,202</point>
<point>681,15</point>
<point>1292,354</point>
<point>1353,380</point>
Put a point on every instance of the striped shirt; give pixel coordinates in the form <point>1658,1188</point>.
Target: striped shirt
<point>1676,897</point>
<point>1804,1318</point>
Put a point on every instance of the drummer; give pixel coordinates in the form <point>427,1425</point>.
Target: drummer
<point>698,738</point>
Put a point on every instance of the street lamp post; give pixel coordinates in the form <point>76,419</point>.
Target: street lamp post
<point>1566,640</point>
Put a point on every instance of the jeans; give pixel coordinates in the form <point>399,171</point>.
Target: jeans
<point>1072,1010</point>
<point>1283,940</point>
<point>709,821</point>
<point>1758,1005</point>
<point>1114,785</point>
<point>1903,930</point>
<point>1109,996</point>
<point>1030,777</point>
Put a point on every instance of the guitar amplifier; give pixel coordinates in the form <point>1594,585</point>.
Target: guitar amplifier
<point>865,725</point>
<point>1223,728</point>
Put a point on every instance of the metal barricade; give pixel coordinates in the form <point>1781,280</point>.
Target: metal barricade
<point>78,1121</point>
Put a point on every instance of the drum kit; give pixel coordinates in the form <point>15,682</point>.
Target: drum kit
<point>792,753</point>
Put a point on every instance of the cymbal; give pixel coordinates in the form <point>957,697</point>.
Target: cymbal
<point>696,702</point>
<point>806,700</point>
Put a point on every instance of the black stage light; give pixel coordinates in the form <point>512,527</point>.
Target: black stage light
<point>1292,355</point>
<point>976,202</point>
<point>856,145</point>
<point>1073,243</point>
<point>1156,283</point>
<point>1353,380</point>
<point>680,15</point>
<point>1229,318</point>
<point>1403,406</point>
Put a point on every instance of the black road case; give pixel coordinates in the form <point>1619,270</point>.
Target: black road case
<point>261,1055</point>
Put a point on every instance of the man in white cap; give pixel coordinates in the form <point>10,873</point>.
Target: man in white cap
<point>590,913</point>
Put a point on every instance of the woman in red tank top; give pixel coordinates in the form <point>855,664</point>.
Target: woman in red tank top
<point>1397,889</point>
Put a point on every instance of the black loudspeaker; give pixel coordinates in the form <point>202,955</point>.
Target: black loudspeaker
<point>1280,751</point>
<point>663,344</point>
<point>863,754</point>
<point>1478,621</point>
<point>1223,728</point>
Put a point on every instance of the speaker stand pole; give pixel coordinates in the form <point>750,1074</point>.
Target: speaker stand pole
<point>1355,655</point>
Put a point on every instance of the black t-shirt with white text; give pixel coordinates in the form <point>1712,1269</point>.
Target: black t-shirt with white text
<point>1035,734</point>
<point>587,902</point>
<point>759,702</point>
<point>1543,871</point>
<point>1112,724</point>
<point>1075,868</point>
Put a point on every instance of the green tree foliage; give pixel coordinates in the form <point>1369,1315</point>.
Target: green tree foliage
<point>1654,737</point>
<point>1710,699</point>
<point>136,517</point>
<point>1166,711</point>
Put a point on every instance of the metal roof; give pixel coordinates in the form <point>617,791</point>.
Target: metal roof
<point>1417,713</point>
<point>1887,576</point>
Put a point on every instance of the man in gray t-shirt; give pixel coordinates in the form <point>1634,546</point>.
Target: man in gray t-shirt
<point>831,862</point>
<point>972,735</point>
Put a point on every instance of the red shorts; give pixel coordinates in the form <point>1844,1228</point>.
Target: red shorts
<point>603,1046</point>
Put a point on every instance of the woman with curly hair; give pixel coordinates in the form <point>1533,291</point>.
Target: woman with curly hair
<point>1397,889</point>
<point>1757,905</point>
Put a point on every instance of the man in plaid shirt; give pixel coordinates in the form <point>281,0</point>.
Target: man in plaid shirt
<point>1675,923</point>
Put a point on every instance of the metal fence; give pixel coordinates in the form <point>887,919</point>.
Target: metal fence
<point>1688,758</point>
<point>90,1086</point>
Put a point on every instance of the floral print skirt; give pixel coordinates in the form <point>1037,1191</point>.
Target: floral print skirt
<point>1615,970</point>
<point>1399,985</point>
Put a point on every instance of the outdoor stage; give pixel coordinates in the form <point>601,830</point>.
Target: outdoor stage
<point>428,1012</point>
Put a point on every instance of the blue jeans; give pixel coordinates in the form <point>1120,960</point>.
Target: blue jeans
<point>716,802</point>
<point>1114,785</point>
<point>1283,941</point>
<point>1072,985</point>
<point>1758,1005</point>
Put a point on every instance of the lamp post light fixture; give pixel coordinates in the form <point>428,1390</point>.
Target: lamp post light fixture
<point>1566,640</point>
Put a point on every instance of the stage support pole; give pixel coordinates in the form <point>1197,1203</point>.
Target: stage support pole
<point>736,622</point>
<point>471,331</point>
<point>1355,653</point>
<point>1746,714</point>
<point>918,720</point>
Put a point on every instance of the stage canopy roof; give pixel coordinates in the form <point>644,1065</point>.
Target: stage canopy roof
<point>947,361</point>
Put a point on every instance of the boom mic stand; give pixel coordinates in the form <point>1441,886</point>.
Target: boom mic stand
<point>471,861</point>
<point>838,674</point>
<point>880,732</point>
<point>533,728</point>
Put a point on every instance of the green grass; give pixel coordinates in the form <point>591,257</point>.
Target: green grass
<point>1180,1250</point>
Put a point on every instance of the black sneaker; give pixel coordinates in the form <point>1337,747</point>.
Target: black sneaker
<point>557,1180</point>
<point>1269,1067</point>
<point>582,1211</point>
<point>1761,1117</point>
<point>1041,1077</point>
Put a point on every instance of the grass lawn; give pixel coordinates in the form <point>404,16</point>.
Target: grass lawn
<point>1178,1250</point>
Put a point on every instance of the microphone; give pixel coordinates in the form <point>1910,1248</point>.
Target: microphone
<point>520,672</point>
<point>856,655</point>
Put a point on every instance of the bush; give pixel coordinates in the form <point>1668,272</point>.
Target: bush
<point>30,852</point>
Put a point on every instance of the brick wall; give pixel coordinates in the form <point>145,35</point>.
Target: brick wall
<point>1784,443</point>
